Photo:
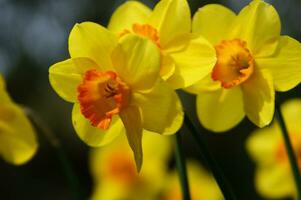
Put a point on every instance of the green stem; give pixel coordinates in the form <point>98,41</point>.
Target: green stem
<point>216,171</point>
<point>180,161</point>
<point>289,150</point>
<point>60,153</point>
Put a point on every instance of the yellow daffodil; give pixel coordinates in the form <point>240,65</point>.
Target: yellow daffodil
<point>115,85</point>
<point>18,142</point>
<point>202,186</point>
<point>186,58</point>
<point>253,60</point>
<point>274,178</point>
<point>114,171</point>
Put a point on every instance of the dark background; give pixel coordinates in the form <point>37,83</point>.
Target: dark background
<point>33,36</point>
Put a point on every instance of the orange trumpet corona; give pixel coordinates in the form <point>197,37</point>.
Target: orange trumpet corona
<point>235,63</point>
<point>102,95</point>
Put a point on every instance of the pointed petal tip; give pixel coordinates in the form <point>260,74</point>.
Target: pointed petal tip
<point>138,161</point>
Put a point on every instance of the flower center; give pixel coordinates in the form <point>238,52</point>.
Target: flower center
<point>145,30</point>
<point>281,154</point>
<point>235,63</point>
<point>102,95</point>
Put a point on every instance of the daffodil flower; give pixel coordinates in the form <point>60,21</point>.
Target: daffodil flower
<point>274,178</point>
<point>201,184</point>
<point>18,142</point>
<point>186,58</point>
<point>115,85</point>
<point>253,60</point>
<point>114,173</point>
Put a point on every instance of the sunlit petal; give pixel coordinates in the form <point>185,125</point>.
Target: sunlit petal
<point>220,110</point>
<point>137,61</point>
<point>91,135</point>
<point>213,21</point>
<point>132,121</point>
<point>284,64</point>
<point>259,98</point>
<point>127,14</point>
<point>93,41</point>
<point>66,76</point>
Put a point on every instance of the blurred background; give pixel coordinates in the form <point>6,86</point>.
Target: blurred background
<point>33,36</point>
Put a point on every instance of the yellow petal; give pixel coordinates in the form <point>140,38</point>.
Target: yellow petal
<point>274,182</point>
<point>220,110</point>
<point>18,142</point>
<point>177,43</point>
<point>193,63</point>
<point>204,85</point>
<point>137,61</point>
<point>113,162</point>
<point>259,25</point>
<point>213,21</point>
<point>291,111</point>
<point>163,148</point>
<point>127,14</point>
<point>2,82</point>
<point>259,97</point>
<point>93,41</point>
<point>132,121</point>
<point>65,76</point>
<point>161,109</point>
<point>262,145</point>
<point>167,67</point>
<point>103,161</point>
<point>109,190</point>
<point>284,64</point>
<point>171,18</point>
<point>198,178</point>
<point>91,135</point>
<point>4,97</point>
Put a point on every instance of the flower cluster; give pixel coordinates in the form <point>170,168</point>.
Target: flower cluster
<point>121,79</point>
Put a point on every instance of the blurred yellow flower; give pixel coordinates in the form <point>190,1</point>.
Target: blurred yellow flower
<point>274,178</point>
<point>115,177</point>
<point>253,60</point>
<point>18,142</point>
<point>114,172</point>
<point>202,185</point>
<point>186,58</point>
<point>115,86</point>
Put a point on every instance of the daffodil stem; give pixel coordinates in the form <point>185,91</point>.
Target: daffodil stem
<point>181,166</point>
<point>289,149</point>
<point>215,169</point>
<point>60,153</point>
